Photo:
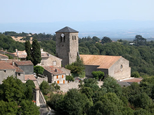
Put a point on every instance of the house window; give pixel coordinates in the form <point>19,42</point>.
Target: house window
<point>62,76</point>
<point>18,74</point>
<point>121,66</point>
<point>4,70</point>
<point>63,81</point>
<point>57,76</point>
<point>54,63</point>
<point>58,82</point>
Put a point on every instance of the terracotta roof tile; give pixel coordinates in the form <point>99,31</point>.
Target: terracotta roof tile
<point>133,80</point>
<point>18,70</point>
<point>103,61</point>
<point>5,65</point>
<point>30,77</point>
<point>3,56</point>
<point>24,63</point>
<point>53,70</point>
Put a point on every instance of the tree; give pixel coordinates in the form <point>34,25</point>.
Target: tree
<point>69,78</point>
<point>77,68</point>
<point>45,87</point>
<point>139,40</point>
<point>36,53</point>
<point>92,83</point>
<point>87,91</point>
<point>28,51</point>
<point>74,103</point>
<point>135,74</point>
<point>38,70</point>
<point>8,108</point>
<point>27,107</point>
<point>13,89</point>
<point>98,74</point>
<point>111,85</point>
<point>106,40</point>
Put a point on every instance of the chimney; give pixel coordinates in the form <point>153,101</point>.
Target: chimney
<point>13,63</point>
<point>41,49</point>
<point>17,52</point>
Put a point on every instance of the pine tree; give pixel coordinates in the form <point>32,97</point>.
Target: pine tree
<point>28,50</point>
<point>36,53</point>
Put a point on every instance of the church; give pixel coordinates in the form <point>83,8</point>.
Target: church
<point>67,49</point>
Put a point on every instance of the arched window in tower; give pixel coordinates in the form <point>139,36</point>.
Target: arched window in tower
<point>73,37</point>
<point>62,37</point>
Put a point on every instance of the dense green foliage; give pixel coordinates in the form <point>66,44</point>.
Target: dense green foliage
<point>69,78</point>
<point>98,74</point>
<point>28,50</point>
<point>36,52</point>
<point>38,70</point>
<point>45,87</point>
<point>140,55</point>
<point>7,43</point>
<point>77,68</point>
<point>16,97</point>
<point>109,99</point>
<point>106,40</point>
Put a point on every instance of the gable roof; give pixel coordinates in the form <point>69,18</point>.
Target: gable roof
<point>67,29</point>
<point>103,61</point>
<point>5,65</point>
<point>53,70</point>
<point>24,63</point>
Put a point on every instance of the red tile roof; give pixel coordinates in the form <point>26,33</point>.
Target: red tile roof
<point>18,70</point>
<point>133,80</point>
<point>30,77</point>
<point>24,63</point>
<point>5,65</point>
<point>53,70</point>
<point>103,61</point>
<point>3,56</point>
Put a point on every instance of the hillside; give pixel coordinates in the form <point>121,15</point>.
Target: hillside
<point>141,57</point>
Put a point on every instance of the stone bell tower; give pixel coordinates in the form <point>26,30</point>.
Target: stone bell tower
<point>67,45</point>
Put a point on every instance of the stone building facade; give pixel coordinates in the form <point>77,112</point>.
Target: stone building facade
<point>114,66</point>
<point>54,74</point>
<point>67,45</point>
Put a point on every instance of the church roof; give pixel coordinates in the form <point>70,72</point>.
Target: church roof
<point>102,61</point>
<point>67,29</point>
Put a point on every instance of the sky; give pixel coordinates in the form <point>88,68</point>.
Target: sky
<point>21,14</point>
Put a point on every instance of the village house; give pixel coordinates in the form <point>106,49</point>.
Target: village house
<point>3,57</point>
<point>47,59</point>
<point>56,74</point>
<point>23,70</point>
<point>114,66</point>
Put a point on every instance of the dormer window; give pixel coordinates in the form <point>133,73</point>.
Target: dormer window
<point>4,70</point>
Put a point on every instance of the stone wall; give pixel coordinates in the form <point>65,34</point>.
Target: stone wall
<point>120,69</point>
<point>60,79</point>
<point>89,69</point>
<point>67,47</point>
<point>48,75</point>
<point>28,69</point>
<point>5,73</point>
<point>51,61</point>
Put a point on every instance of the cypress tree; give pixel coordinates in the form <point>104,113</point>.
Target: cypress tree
<point>28,50</point>
<point>36,53</point>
